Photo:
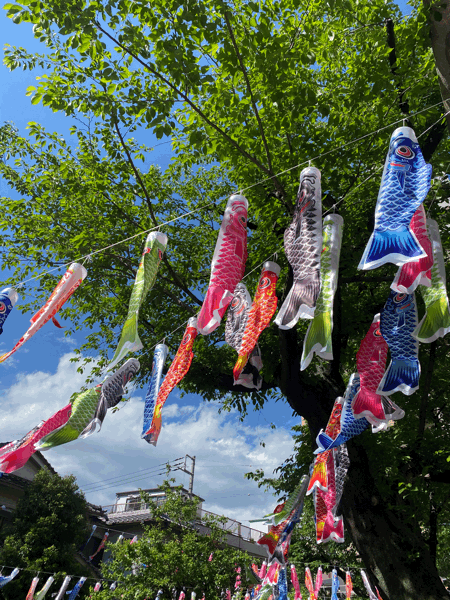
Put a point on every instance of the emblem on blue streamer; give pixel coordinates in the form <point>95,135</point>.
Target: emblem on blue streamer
<point>8,297</point>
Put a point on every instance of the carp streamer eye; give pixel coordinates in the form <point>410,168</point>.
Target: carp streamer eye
<point>265,282</point>
<point>399,298</point>
<point>377,332</point>
<point>405,152</point>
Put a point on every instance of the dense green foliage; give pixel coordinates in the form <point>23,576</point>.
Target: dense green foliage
<point>49,524</point>
<point>173,555</point>
<point>248,93</point>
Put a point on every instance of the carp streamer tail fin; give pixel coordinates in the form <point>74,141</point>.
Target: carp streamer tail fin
<point>435,324</point>
<point>401,376</point>
<point>213,308</point>
<point>398,246</point>
<point>317,339</point>
<point>300,302</point>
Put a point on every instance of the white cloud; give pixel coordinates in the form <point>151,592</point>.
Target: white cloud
<point>224,447</point>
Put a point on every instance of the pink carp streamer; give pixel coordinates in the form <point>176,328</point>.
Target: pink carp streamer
<point>228,264</point>
<point>412,273</point>
<point>260,314</point>
<point>62,292</point>
<point>101,545</point>
<point>19,455</point>
<point>177,370</point>
<point>32,589</point>
<point>295,583</point>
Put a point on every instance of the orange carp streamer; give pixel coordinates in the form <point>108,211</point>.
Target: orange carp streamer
<point>260,314</point>
<point>177,370</point>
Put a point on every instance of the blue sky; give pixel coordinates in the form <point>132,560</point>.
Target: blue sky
<point>39,379</point>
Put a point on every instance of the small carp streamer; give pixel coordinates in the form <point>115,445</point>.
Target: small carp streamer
<point>159,358</point>
<point>348,586</point>
<point>368,587</point>
<point>341,466</point>
<point>19,454</point>
<point>84,405</point>
<point>101,545</point>
<point>234,330</point>
<point>313,589</point>
<point>295,583</point>
<point>268,584</point>
<point>282,584</point>
<point>284,518</point>
<point>228,264</point>
<point>371,364</point>
<point>350,427</point>
<point>30,595</point>
<point>41,594</point>
<point>327,526</point>
<point>412,273</point>
<point>436,322</point>
<point>259,316</point>
<point>155,246</point>
<point>97,586</point>
<point>398,321</point>
<point>303,246</point>
<point>318,337</point>
<point>8,298</point>
<point>79,584</point>
<point>177,370</point>
<point>113,389</point>
<point>4,580</point>
<point>334,585</point>
<point>319,473</point>
<point>62,292</point>
<point>404,185</point>
<point>318,583</point>
<point>63,588</point>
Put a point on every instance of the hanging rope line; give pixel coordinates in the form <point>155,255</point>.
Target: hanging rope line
<point>200,208</point>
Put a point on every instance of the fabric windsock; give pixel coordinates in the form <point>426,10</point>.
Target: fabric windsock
<point>63,588</point>
<point>18,456</point>
<point>101,545</point>
<point>182,596</point>
<point>309,583</point>
<point>41,594</point>
<point>70,281</point>
<point>398,321</point>
<point>155,246</point>
<point>295,583</point>
<point>263,570</point>
<point>113,585</point>
<point>177,370</point>
<point>97,586</point>
<point>8,298</point>
<point>318,337</point>
<point>319,473</point>
<point>260,314</point>
<point>30,595</point>
<point>371,364</point>
<point>436,322</point>
<point>79,584</point>
<point>416,272</point>
<point>341,467</point>
<point>334,585</point>
<point>404,185</point>
<point>228,264</point>
<point>327,527</point>
<point>350,427</point>
<point>370,592</point>
<point>159,358</point>
<point>348,586</point>
<point>112,392</point>
<point>84,406</point>
<point>6,579</point>
<point>282,584</point>
<point>319,581</point>
<point>303,247</point>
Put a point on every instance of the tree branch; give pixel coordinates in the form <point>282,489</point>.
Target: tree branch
<point>186,98</point>
<point>425,394</point>
<point>252,98</point>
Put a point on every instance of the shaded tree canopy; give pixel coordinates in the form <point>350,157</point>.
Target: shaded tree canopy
<point>248,93</point>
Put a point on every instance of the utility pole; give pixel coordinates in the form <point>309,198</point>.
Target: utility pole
<point>189,472</point>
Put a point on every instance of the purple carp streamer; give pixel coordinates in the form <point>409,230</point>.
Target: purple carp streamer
<point>436,321</point>
<point>404,185</point>
<point>8,298</point>
<point>303,247</point>
<point>159,358</point>
<point>113,389</point>
<point>318,337</point>
<point>62,292</point>
<point>398,321</point>
<point>155,246</point>
<point>228,264</point>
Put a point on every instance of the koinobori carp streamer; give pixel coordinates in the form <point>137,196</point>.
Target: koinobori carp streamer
<point>177,370</point>
<point>159,358</point>
<point>318,337</point>
<point>303,247</point>
<point>405,183</point>
<point>8,298</point>
<point>228,264</point>
<point>155,246</point>
<point>62,292</point>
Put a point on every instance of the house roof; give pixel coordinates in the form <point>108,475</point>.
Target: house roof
<point>154,491</point>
